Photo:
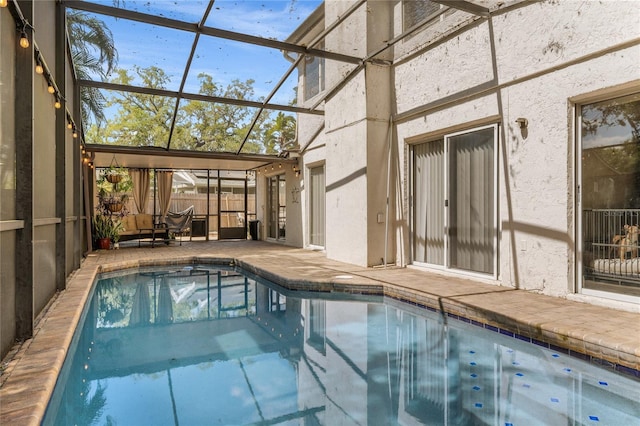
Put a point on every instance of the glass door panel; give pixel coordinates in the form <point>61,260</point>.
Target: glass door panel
<point>317,206</point>
<point>610,195</point>
<point>454,202</point>
<point>472,201</point>
<point>428,213</point>
<point>232,204</point>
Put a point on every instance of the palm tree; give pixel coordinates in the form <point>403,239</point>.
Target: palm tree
<point>94,54</point>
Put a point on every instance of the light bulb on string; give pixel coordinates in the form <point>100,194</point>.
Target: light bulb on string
<point>4,3</point>
<point>57,103</point>
<point>39,69</point>
<point>24,41</point>
<point>51,89</point>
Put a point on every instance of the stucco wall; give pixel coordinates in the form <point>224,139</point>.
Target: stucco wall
<point>528,62</point>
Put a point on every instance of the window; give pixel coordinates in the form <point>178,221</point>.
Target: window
<point>316,206</point>
<point>313,76</point>
<point>609,194</point>
<point>277,205</point>
<point>416,11</point>
<point>454,202</point>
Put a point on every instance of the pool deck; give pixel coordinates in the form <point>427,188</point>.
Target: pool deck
<point>602,335</point>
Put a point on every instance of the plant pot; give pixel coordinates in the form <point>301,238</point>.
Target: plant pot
<point>114,207</point>
<point>114,178</point>
<point>104,243</point>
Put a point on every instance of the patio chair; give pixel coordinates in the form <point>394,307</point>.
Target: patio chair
<point>179,224</point>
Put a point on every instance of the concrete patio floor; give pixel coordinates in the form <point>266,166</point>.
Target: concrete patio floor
<point>605,336</point>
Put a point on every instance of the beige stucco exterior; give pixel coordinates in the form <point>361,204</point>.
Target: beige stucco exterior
<point>530,60</point>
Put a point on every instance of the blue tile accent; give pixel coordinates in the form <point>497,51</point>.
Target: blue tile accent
<point>580,355</point>
<point>508,424</point>
<point>519,374</point>
<point>559,349</point>
<point>474,375</point>
<point>472,352</point>
<point>627,370</point>
<point>472,363</point>
<point>594,418</point>
<point>476,388</point>
<point>555,400</point>
<point>506,332</point>
<point>478,404</point>
<point>568,370</point>
<point>521,337</point>
<point>490,327</point>
<point>604,383</point>
<point>540,343</point>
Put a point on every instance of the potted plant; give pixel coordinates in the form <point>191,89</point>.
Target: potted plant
<point>107,230</point>
<point>114,185</point>
<point>115,175</point>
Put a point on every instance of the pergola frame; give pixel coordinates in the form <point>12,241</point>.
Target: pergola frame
<point>200,28</point>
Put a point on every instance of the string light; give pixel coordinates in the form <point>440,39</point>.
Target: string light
<point>51,89</point>
<point>57,104</point>
<point>24,41</point>
<point>4,3</point>
<point>39,68</point>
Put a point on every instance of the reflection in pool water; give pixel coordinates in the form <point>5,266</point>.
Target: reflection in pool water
<point>208,345</point>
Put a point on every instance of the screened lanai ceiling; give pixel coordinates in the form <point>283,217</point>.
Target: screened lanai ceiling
<point>203,83</point>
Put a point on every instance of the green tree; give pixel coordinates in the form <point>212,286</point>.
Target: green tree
<point>280,133</point>
<point>145,120</point>
<point>140,119</point>
<point>94,54</point>
<point>220,127</point>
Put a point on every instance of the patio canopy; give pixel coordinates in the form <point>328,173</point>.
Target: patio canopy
<point>206,84</point>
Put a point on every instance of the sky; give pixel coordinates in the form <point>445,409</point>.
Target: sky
<point>146,45</point>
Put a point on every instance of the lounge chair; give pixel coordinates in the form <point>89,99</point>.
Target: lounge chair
<point>179,224</point>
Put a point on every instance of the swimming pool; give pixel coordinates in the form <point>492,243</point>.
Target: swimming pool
<point>205,344</point>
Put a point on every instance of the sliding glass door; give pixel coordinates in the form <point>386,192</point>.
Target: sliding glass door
<point>454,201</point>
<point>316,206</point>
<point>609,197</point>
<point>277,207</point>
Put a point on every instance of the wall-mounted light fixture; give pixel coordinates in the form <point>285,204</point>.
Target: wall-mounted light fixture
<point>522,122</point>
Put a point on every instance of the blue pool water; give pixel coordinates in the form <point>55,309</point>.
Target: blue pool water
<point>207,345</point>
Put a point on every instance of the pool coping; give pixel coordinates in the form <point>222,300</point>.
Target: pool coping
<point>30,377</point>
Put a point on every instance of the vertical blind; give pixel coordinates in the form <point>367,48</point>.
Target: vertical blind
<point>428,238</point>
<point>471,201</point>
<point>470,214</point>
<point>316,208</point>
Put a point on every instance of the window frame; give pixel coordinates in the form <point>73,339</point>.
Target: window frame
<point>446,265</point>
<point>576,105</point>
